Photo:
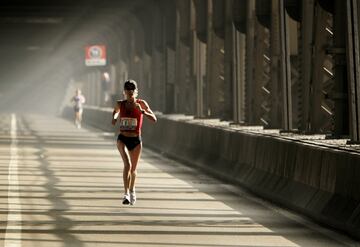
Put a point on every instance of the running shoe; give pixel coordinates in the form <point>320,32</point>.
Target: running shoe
<point>126,199</point>
<point>132,198</point>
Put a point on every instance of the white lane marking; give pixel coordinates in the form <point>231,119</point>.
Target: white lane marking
<point>13,226</point>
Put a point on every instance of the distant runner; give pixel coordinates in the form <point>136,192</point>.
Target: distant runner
<point>78,100</point>
<point>130,113</point>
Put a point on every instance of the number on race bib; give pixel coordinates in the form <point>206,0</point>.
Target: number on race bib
<point>128,123</point>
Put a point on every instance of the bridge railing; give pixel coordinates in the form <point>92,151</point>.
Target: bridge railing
<point>315,178</point>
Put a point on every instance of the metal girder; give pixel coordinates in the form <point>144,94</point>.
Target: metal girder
<point>263,12</point>
<point>215,83</point>
<point>321,117</point>
<point>353,66</point>
<point>198,56</point>
<point>327,5</point>
<point>239,13</point>
<point>235,50</point>
<point>158,68</point>
<point>218,17</point>
<point>281,97</point>
<point>170,80</point>
<point>259,100</point>
<point>185,88</point>
<point>287,123</point>
<point>183,7</point>
<point>307,27</point>
<point>250,117</point>
<point>183,81</point>
<point>239,46</point>
<point>294,9</point>
<point>296,91</point>
<point>200,70</point>
<point>158,31</point>
<point>147,18</point>
<point>201,18</point>
<point>340,88</point>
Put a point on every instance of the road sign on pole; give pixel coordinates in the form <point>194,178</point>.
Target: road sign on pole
<point>95,55</point>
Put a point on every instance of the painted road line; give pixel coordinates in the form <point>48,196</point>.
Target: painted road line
<point>13,226</point>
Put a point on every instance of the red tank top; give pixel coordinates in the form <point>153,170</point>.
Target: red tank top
<point>130,119</point>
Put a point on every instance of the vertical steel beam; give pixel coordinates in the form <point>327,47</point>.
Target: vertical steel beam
<point>170,80</point>
<point>98,91</point>
<point>88,89</point>
<point>164,65</point>
<point>158,79</point>
<point>183,57</point>
<point>239,43</point>
<point>183,80</point>
<point>191,96</point>
<point>339,93</point>
<point>275,43</point>
<point>93,89</point>
<point>286,70</point>
<point>198,64</point>
<point>178,83</point>
<point>295,59</point>
<point>281,109</point>
<point>147,76</point>
<point>157,65</point>
<point>228,58</point>
<point>214,64</point>
<point>260,99</point>
<point>250,115</point>
<point>307,29</point>
<point>113,79</point>
<point>320,120</point>
<point>215,59</point>
<point>132,53</point>
<point>89,101</point>
<point>209,101</point>
<point>352,51</point>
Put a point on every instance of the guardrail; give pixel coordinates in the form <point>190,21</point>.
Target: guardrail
<point>320,181</point>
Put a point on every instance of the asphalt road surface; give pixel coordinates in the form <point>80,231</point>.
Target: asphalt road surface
<point>62,186</point>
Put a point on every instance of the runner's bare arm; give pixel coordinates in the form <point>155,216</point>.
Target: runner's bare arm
<point>115,114</point>
<point>147,111</point>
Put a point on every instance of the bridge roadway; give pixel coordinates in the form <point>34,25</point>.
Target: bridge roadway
<point>62,186</point>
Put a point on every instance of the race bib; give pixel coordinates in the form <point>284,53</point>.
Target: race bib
<point>127,123</point>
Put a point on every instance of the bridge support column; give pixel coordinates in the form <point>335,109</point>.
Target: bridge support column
<point>340,89</point>
<point>281,108</point>
<point>250,115</point>
<point>352,52</point>
<point>307,30</point>
<point>215,84</point>
<point>198,53</point>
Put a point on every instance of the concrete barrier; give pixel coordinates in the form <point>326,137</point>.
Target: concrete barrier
<point>320,182</point>
<point>94,116</point>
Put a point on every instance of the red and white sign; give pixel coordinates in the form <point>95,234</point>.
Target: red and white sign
<point>95,55</point>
